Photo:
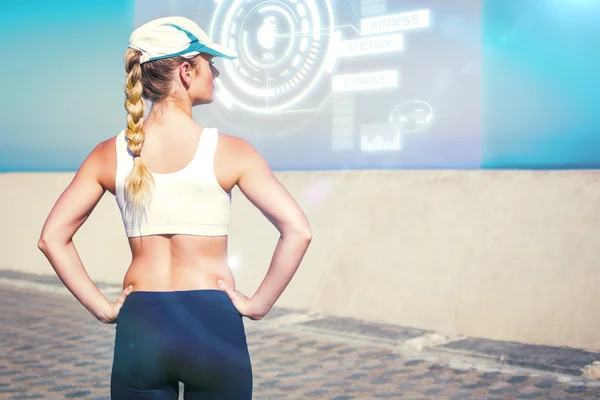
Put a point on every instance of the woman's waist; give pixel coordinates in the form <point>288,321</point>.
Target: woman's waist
<point>165,275</point>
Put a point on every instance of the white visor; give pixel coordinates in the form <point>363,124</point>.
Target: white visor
<point>174,36</point>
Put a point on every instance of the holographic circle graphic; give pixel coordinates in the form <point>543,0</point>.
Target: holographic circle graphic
<point>282,47</point>
<point>413,115</point>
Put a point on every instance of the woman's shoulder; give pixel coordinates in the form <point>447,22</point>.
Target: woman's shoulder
<point>102,161</point>
<point>237,155</point>
<point>106,149</point>
<point>235,145</point>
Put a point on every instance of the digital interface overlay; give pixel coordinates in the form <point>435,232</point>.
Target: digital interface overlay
<point>344,83</point>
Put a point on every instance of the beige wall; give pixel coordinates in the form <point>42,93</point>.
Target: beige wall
<point>509,255</point>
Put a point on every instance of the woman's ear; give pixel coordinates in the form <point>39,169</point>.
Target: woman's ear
<point>186,73</point>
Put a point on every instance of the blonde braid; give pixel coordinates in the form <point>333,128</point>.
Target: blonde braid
<point>139,181</point>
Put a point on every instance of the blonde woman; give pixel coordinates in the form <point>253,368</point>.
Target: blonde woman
<point>179,318</point>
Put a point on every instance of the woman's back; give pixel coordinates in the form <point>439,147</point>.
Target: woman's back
<point>179,154</point>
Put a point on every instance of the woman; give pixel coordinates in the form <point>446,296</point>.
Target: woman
<point>179,317</point>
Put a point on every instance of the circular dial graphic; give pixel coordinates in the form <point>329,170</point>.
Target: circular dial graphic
<point>283,47</point>
<point>413,115</point>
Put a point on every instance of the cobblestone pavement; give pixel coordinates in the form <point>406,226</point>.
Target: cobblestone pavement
<point>51,348</point>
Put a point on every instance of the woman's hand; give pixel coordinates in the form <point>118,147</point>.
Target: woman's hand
<point>113,308</point>
<point>240,302</point>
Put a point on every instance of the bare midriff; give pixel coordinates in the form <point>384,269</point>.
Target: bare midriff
<point>177,263</point>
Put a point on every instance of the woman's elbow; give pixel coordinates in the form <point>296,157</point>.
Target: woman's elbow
<point>297,229</point>
<point>302,233</point>
<point>47,242</point>
<point>307,235</point>
<point>44,243</point>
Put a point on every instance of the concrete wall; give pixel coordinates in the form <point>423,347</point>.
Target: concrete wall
<point>508,255</point>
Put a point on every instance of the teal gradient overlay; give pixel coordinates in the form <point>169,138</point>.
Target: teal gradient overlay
<point>541,84</point>
<point>62,76</point>
<point>62,79</point>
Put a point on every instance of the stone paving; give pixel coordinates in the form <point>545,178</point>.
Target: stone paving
<point>51,348</point>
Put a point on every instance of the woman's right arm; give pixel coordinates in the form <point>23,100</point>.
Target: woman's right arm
<point>69,213</point>
<point>263,190</point>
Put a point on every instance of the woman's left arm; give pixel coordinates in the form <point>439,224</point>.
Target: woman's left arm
<point>71,210</point>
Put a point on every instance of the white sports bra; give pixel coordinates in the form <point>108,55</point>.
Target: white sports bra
<point>188,202</point>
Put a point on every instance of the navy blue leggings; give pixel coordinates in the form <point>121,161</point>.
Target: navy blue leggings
<point>195,336</point>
